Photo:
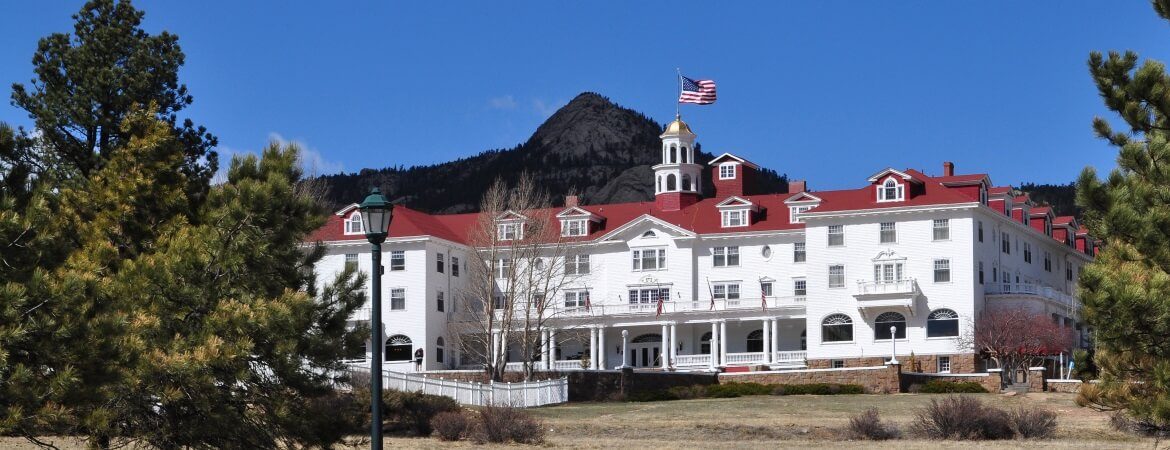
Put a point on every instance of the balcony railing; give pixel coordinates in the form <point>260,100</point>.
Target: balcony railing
<point>904,286</point>
<point>692,360</point>
<point>672,306</point>
<point>1037,290</point>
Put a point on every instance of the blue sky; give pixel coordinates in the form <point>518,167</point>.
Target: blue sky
<point>828,91</point>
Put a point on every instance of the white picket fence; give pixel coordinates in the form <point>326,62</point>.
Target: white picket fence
<point>524,394</point>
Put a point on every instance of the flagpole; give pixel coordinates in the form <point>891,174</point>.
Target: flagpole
<point>676,104</point>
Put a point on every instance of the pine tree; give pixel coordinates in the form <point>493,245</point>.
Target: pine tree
<point>1126,290</point>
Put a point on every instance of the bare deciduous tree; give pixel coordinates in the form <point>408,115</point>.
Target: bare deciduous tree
<point>1016,338</point>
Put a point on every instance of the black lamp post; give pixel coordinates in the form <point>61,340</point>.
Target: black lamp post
<point>376,214</point>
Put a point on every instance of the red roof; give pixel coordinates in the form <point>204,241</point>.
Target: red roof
<point>1063,220</point>
<point>973,178</point>
<point>999,190</point>
<point>865,198</point>
<point>1040,211</point>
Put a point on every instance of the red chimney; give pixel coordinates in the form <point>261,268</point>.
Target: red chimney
<point>570,201</point>
<point>796,186</point>
<point>948,169</point>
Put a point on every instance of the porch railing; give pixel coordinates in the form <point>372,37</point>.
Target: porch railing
<point>745,358</point>
<point>790,357</point>
<point>672,306</point>
<point>567,364</point>
<point>1046,292</point>
<point>903,286</point>
<point>692,360</point>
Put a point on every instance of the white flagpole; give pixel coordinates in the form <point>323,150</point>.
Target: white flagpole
<point>676,103</point>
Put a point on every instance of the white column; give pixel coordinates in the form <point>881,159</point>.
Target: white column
<point>775,338</point>
<point>543,349</point>
<point>767,341</point>
<point>664,354</point>
<point>714,344</point>
<point>592,349</point>
<point>673,344</point>
<point>552,346</point>
<point>495,347</point>
<point>625,348</point>
<point>601,363</point>
<point>723,342</point>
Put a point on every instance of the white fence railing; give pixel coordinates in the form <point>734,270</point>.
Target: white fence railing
<point>703,360</point>
<point>1047,292</point>
<point>567,364</point>
<point>903,286</point>
<point>672,306</point>
<point>745,358</point>
<point>525,394</point>
<point>795,358</point>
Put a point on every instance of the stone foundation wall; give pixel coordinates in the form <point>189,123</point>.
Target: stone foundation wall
<point>960,363</point>
<point>875,380</point>
<point>1037,379</point>
<point>989,381</point>
<point>1066,386</point>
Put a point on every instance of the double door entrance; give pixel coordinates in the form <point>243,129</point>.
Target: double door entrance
<point>645,351</point>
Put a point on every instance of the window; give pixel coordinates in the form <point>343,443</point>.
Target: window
<point>799,287</point>
<point>983,194</point>
<point>574,227</point>
<point>508,231</point>
<point>890,191</point>
<point>755,341</point>
<point>1005,243</point>
<point>793,211</point>
<point>944,364</point>
<point>671,182</point>
<point>726,171</point>
<point>980,231</point>
<point>980,272</point>
<point>1047,227</point>
<point>1068,272</point>
<point>575,299</point>
<point>887,272</point>
<point>837,328</point>
<point>649,295</point>
<point>440,300</point>
<point>503,268</point>
<point>886,320</point>
<point>766,252</point>
<point>650,259</point>
<point>439,344</point>
<point>736,218</point>
<point>705,343</point>
<point>942,229</point>
<point>994,275</point>
<point>398,260</point>
<point>942,271</point>
<point>454,266</point>
<point>837,364</point>
<point>1047,261</point>
<point>398,348</point>
<point>837,276</point>
<point>440,263</point>
<point>726,256</point>
<point>397,299</point>
<point>725,291</point>
<point>1027,252</point>
<point>942,323</point>
<point>798,254</point>
<point>351,261</point>
<point>577,265</point>
<point>889,233</point>
<point>766,288</point>
<point>353,225</point>
<point>836,235</point>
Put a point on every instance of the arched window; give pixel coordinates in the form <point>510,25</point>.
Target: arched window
<point>684,154</point>
<point>649,234</point>
<point>705,343</point>
<point>883,323</point>
<point>890,191</point>
<point>837,328</point>
<point>755,341</point>
<point>353,225</point>
<point>673,154</point>
<point>659,184</point>
<point>671,183</point>
<point>439,349</point>
<point>398,348</point>
<point>647,338</point>
<point>686,185</point>
<point>942,323</point>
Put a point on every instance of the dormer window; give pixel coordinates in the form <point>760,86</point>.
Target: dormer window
<point>891,191</point>
<point>353,225</point>
<point>983,194</point>
<point>574,227</point>
<point>1047,227</point>
<point>509,231</point>
<point>727,171</point>
<point>735,218</point>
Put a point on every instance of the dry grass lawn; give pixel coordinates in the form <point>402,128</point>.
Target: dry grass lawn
<point>764,422</point>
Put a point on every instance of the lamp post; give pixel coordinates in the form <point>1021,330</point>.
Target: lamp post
<point>376,214</point>
<point>894,344</point>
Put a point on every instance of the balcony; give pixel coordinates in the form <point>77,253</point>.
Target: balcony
<point>790,305</point>
<point>1035,291</point>
<point>897,294</point>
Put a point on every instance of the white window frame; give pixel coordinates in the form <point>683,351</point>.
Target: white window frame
<point>884,191</point>
<point>454,266</point>
<point>578,298</point>
<point>799,288</point>
<point>734,218</point>
<point>440,263</point>
<point>509,231</point>
<point>888,227</point>
<point>841,283</point>
<point>353,224</point>
<point>440,301</point>
<point>577,264</point>
<point>940,227</point>
<point>1027,252</point>
<point>351,258</point>
<point>793,211</point>
<point>397,260</point>
<point>638,256</point>
<point>943,265</point>
<point>503,267</point>
<point>726,291</point>
<point>890,271</point>
<point>725,256</point>
<point>727,171</point>
<point>766,289</point>
<point>944,364</point>
<point>574,227</point>
<point>840,233</point>
<point>799,248</point>
<point>401,298</point>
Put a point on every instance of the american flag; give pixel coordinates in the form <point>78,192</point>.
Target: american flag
<point>763,297</point>
<point>700,92</point>
<point>589,306</point>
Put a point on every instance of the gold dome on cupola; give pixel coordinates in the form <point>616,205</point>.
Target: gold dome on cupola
<point>677,127</point>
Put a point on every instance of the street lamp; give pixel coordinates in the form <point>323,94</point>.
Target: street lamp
<point>376,213</point>
<point>894,344</point>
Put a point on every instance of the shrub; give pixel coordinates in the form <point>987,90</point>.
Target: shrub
<point>689,392</point>
<point>731,390</point>
<point>1033,423</point>
<point>868,425</point>
<point>961,417</point>
<point>652,396</point>
<point>817,389</point>
<point>499,424</point>
<point>450,425</point>
<point>952,387</point>
<point>412,411</point>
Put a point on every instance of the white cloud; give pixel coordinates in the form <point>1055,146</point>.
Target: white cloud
<point>546,109</point>
<point>312,162</point>
<point>506,102</point>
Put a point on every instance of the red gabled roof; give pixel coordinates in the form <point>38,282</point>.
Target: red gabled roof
<point>973,178</point>
<point>864,198</point>
<point>999,190</point>
<point>1063,220</point>
<point>406,222</point>
<point>1040,211</point>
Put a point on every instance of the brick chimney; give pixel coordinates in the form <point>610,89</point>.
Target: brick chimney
<point>948,169</point>
<point>796,186</point>
<point>570,201</point>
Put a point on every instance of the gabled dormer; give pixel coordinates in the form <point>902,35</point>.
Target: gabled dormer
<point>1040,219</point>
<point>736,212</point>
<point>732,175</point>
<point>799,203</point>
<point>999,198</point>
<point>1064,229</point>
<point>576,221</point>
<point>1021,208</point>
<point>892,185</point>
<point>510,226</point>
<point>351,220</point>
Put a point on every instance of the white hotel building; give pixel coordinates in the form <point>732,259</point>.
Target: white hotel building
<point>836,269</point>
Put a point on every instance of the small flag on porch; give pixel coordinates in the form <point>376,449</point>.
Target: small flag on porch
<point>711,292</point>
<point>660,305</point>
<point>588,305</point>
<point>763,298</point>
